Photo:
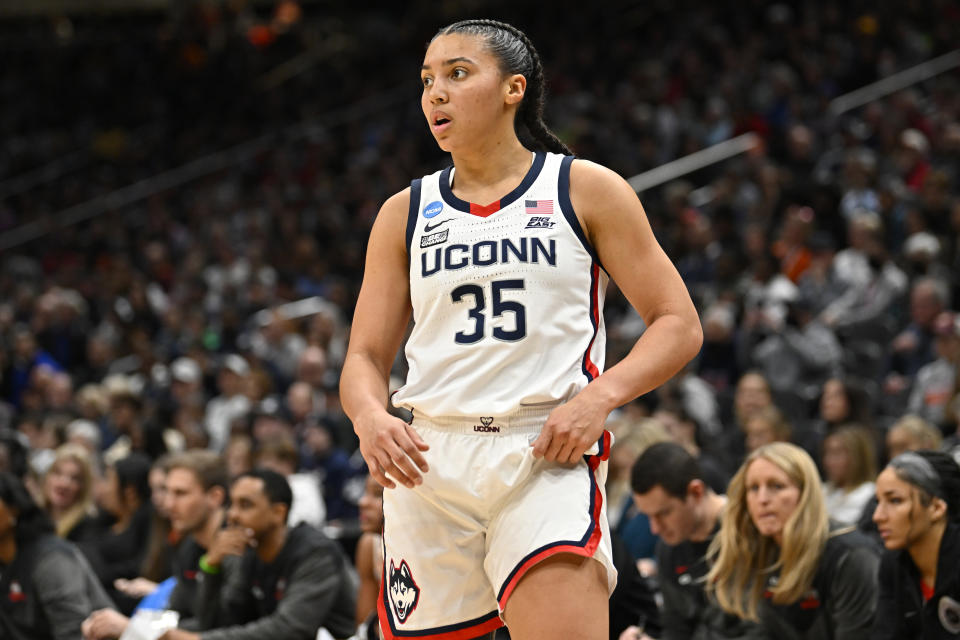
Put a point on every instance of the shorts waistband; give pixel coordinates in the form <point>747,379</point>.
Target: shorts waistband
<point>524,420</point>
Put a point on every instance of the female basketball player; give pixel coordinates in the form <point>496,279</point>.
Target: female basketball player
<point>503,260</point>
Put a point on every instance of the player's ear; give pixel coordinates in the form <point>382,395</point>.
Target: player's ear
<point>516,88</point>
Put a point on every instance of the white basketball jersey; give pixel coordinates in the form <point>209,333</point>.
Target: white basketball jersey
<point>507,298</point>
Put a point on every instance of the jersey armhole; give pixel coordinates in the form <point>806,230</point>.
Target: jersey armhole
<point>412,214</point>
<point>566,207</point>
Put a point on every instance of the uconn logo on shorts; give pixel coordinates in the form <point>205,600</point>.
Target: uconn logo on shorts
<point>404,592</point>
<point>486,426</point>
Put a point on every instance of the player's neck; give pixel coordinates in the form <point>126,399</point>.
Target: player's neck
<point>490,163</point>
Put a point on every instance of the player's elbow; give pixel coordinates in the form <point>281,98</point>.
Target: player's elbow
<point>693,340</point>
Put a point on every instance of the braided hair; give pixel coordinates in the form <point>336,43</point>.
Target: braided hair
<point>516,54</point>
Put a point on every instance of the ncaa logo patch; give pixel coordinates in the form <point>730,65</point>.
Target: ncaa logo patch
<point>404,592</point>
<point>433,209</point>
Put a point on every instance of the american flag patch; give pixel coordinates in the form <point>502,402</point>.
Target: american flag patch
<point>539,207</point>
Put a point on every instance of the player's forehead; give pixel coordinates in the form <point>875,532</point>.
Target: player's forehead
<point>457,47</point>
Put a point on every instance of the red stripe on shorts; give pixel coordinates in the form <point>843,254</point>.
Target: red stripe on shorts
<point>587,550</point>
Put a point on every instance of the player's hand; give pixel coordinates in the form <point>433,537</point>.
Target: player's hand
<point>570,430</point>
<point>136,588</point>
<point>391,446</point>
<point>104,624</point>
<point>232,541</point>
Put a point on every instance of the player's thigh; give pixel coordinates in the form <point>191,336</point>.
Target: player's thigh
<point>564,596</point>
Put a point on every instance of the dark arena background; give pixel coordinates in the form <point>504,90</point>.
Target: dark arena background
<point>187,188</point>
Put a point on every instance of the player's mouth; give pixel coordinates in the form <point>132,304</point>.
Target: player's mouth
<point>439,121</point>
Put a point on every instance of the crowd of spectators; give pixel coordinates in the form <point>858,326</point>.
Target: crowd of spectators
<point>825,262</point>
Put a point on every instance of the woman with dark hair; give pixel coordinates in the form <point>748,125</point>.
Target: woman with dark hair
<point>47,586</point>
<point>918,516</point>
<point>494,512</point>
<point>119,550</point>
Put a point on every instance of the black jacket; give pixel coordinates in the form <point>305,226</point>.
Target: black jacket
<point>842,601</point>
<point>306,587</point>
<point>902,614</point>
<point>47,592</point>
<point>688,614</point>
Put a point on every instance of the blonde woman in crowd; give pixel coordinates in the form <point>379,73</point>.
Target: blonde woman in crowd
<point>849,463</point>
<point>912,433</point>
<point>67,491</point>
<point>778,560</point>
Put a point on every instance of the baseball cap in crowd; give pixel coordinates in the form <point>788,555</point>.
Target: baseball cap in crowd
<point>236,364</point>
<point>185,370</point>
<point>84,430</point>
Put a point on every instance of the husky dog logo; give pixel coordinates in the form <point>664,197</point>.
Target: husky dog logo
<point>485,421</point>
<point>404,592</point>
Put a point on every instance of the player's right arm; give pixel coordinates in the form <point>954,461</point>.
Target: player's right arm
<point>388,444</point>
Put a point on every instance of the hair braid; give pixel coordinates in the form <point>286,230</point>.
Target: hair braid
<point>517,54</point>
<point>949,472</point>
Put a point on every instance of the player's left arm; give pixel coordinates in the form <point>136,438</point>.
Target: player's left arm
<point>617,227</point>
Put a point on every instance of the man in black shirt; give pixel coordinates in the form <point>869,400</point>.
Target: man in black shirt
<point>668,487</point>
<point>262,579</point>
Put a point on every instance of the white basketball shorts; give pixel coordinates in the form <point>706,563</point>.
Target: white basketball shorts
<point>457,545</point>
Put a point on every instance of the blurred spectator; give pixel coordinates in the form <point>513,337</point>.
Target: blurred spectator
<point>797,359</point>
<point>340,474</point>
<point>231,404</point>
<point>826,585</point>
<point>849,463</point>
<point>752,396</point>
<point>368,560</point>
<point>914,346</point>
<point>279,454</point>
<point>685,431</point>
<point>51,586</point>
<point>67,492</point>
<point>86,434</point>
<point>238,454</point>
<point>117,549</point>
<point>161,543</point>
<point>27,356</point>
<point>912,433</point>
<point>935,384</point>
<point>764,427</point>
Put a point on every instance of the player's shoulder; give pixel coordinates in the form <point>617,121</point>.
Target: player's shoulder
<point>396,207</point>
<point>590,179</point>
<point>597,192</point>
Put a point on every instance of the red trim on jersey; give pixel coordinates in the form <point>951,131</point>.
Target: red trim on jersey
<point>587,550</point>
<point>484,211</point>
<point>595,316</point>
